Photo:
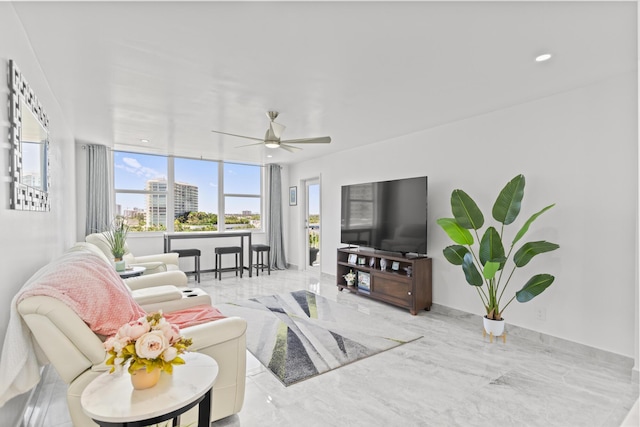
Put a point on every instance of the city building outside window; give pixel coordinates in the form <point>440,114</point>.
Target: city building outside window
<point>140,182</point>
<point>198,189</point>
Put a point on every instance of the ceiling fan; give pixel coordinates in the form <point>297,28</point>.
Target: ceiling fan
<point>272,137</point>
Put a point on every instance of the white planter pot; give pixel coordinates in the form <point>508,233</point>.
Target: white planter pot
<point>493,327</point>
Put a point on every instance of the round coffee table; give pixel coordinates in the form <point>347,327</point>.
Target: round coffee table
<point>132,272</point>
<point>110,399</point>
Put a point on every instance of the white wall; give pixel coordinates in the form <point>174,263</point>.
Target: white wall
<point>577,149</point>
<point>31,239</point>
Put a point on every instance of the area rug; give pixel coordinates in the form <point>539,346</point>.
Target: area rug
<point>299,335</point>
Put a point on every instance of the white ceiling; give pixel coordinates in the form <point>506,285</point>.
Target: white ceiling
<point>360,72</point>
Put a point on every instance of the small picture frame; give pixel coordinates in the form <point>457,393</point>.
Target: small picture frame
<point>353,258</point>
<point>293,196</point>
<point>395,266</point>
<point>362,261</point>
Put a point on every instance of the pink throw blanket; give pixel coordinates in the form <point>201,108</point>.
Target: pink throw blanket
<point>194,316</point>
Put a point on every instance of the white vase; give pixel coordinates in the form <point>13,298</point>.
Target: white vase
<point>493,327</point>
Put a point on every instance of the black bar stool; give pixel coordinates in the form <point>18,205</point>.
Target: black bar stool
<point>237,250</point>
<point>194,253</point>
<point>260,249</point>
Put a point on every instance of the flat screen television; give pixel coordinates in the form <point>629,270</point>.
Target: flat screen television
<point>390,216</point>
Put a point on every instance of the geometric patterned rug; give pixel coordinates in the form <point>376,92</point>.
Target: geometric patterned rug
<point>299,335</point>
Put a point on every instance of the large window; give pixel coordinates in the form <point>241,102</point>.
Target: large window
<point>157,193</point>
<point>140,181</point>
<point>242,186</point>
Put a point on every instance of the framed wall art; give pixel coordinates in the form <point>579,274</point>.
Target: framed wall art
<point>293,196</point>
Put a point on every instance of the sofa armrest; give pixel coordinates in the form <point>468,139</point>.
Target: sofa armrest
<point>175,278</point>
<point>151,267</point>
<point>156,294</point>
<point>216,332</point>
<point>168,258</point>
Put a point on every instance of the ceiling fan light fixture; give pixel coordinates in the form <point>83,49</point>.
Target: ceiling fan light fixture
<point>271,144</point>
<point>544,57</point>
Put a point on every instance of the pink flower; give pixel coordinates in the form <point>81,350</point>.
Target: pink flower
<point>171,332</point>
<point>169,354</point>
<point>151,345</point>
<point>108,344</point>
<point>134,329</point>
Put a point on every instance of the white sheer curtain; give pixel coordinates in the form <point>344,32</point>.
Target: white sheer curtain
<point>276,238</point>
<point>98,189</point>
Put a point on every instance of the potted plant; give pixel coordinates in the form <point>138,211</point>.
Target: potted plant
<point>350,278</point>
<point>116,238</point>
<point>486,264</point>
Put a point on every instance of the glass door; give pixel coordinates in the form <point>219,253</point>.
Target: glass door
<point>312,223</point>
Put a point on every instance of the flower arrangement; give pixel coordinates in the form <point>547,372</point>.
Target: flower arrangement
<point>350,277</point>
<point>149,342</point>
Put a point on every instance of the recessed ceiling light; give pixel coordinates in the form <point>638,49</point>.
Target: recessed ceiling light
<point>269,156</point>
<point>144,141</point>
<point>543,57</point>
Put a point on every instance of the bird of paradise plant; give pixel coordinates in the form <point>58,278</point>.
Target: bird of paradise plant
<point>484,266</point>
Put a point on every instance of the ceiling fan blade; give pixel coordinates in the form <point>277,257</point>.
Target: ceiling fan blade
<point>319,140</point>
<point>289,148</point>
<point>239,136</point>
<point>277,129</point>
<point>250,145</point>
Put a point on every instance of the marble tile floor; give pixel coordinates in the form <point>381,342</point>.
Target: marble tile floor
<point>450,377</point>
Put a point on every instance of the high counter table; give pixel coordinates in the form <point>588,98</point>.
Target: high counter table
<point>168,237</point>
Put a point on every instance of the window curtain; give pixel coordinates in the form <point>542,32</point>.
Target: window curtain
<point>276,237</point>
<point>98,189</point>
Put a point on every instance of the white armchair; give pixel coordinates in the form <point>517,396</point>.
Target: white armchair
<point>156,263</point>
<point>77,353</point>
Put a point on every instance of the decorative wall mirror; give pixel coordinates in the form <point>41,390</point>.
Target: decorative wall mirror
<point>29,139</point>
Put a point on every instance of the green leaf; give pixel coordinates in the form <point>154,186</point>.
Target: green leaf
<point>466,211</point>
<point>455,254</point>
<point>491,248</point>
<point>531,249</point>
<point>470,271</point>
<point>507,205</point>
<point>490,269</point>
<point>458,234</point>
<point>526,225</point>
<point>534,287</point>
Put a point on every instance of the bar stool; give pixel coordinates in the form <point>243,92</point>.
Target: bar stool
<point>237,250</point>
<point>194,253</point>
<point>260,249</point>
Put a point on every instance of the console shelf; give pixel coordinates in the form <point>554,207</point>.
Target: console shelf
<point>401,281</point>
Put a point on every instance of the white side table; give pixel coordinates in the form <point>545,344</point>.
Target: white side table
<point>110,400</point>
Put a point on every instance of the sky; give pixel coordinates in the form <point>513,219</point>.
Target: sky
<point>314,199</point>
<point>132,171</point>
